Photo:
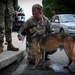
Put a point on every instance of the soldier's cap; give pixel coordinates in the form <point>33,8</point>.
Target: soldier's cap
<point>37,6</point>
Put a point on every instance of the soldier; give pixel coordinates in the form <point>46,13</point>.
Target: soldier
<point>40,21</point>
<point>7,9</point>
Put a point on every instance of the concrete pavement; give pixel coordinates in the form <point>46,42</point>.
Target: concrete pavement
<point>8,57</point>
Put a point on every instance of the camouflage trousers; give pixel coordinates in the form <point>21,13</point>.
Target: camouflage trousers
<point>6,21</point>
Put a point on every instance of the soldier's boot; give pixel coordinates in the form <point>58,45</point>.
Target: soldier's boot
<point>10,47</point>
<point>1,47</point>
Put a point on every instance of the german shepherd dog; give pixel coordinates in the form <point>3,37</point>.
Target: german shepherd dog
<point>49,43</point>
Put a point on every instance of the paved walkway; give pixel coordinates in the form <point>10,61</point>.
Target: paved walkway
<point>8,57</point>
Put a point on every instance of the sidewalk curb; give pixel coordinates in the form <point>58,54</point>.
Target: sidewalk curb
<point>8,57</point>
<point>22,67</point>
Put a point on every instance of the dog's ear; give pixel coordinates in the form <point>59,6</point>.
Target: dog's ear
<point>27,30</point>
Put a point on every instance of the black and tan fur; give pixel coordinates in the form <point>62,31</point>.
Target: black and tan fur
<point>50,42</point>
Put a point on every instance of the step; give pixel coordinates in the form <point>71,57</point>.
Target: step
<point>8,57</point>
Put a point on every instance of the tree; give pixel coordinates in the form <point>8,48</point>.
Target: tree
<point>51,7</point>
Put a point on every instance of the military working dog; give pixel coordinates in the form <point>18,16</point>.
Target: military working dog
<point>50,42</point>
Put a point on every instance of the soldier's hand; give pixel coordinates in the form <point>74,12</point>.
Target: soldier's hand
<point>19,36</point>
<point>16,14</point>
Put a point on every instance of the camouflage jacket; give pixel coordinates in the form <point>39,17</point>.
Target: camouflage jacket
<point>43,25</point>
<point>15,3</point>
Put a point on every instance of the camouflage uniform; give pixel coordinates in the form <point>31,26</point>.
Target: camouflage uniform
<point>7,8</point>
<point>43,25</point>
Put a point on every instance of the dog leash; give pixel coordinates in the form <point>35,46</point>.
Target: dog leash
<point>23,37</point>
<point>21,44</point>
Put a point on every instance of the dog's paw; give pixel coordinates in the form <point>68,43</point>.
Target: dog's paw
<point>65,67</point>
<point>32,68</point>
